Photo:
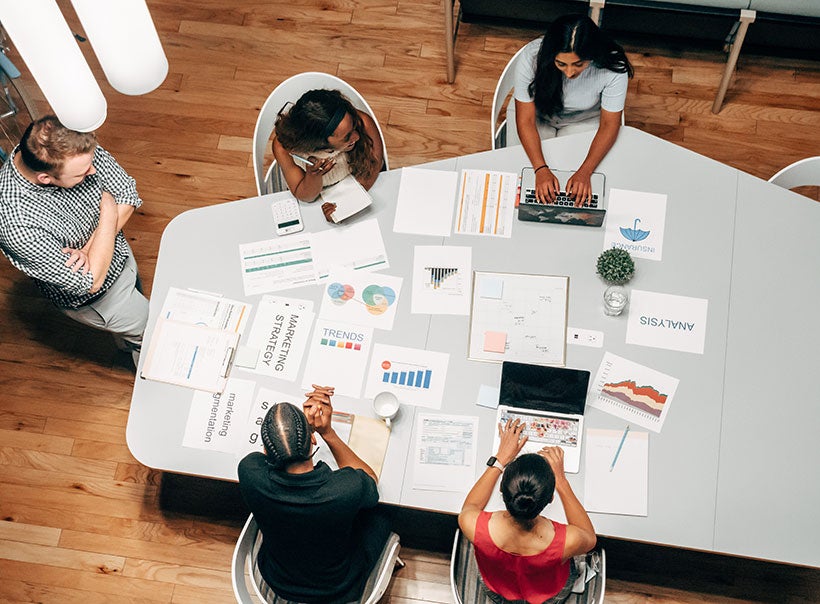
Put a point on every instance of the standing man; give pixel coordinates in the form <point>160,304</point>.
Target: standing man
<point>321,533</point>
<point>63,203</point>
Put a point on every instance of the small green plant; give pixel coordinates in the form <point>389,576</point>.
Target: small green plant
<point>615,266</point>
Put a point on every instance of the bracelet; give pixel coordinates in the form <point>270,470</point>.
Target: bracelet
<point>541,168</point>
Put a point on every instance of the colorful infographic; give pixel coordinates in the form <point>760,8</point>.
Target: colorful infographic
<point>337,356</point>
<point>361,298</point>
<point>415,376</point>
<point>633,392</point>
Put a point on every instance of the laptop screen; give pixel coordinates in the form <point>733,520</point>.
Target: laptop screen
<point>555,389</point>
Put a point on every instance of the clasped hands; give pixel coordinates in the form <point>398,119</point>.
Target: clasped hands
<point>318,408</point>
<point>579,187</point>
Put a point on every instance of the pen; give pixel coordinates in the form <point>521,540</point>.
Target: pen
<point>304,159</point>
<point>620,446</point>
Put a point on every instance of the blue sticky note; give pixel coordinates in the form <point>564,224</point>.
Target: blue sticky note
<point>491,287</point>
<point>488,396</point>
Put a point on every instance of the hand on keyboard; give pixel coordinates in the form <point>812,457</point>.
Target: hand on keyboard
<point>579,188</point>
<point>546,185</point>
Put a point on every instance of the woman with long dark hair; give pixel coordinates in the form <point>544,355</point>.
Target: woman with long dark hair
<point>321,139</point>
<point>571,80</point>
<point>522,556</point>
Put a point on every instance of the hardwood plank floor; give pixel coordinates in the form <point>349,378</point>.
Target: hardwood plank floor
<point>80,519</point>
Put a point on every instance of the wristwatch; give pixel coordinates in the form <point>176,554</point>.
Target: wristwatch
<point>494,463</point>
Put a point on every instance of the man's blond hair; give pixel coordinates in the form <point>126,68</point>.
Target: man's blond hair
<point>47,144</point>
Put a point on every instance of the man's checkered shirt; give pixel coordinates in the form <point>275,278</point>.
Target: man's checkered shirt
<point>37,222</point>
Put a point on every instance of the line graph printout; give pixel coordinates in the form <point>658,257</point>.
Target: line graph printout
<point>633,392</point>
<point>277,264</point>
<point>441,280</point>
<point>528,311</point>
<point>486,201</point>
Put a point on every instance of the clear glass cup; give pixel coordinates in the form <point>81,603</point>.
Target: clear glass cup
<point>615,300</point>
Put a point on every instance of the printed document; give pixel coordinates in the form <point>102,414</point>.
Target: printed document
<point>277,264</point>
<point>486,203</point>
<point>356,246</point>
<point>206,309</point>
<point>444,452</point>
<point>624,488</point>
<point>338,356</point>
<point>635,222</point>
<point>441,280</point>
<point>415,376</point>
<point>216,422</point>
<point>667,321</point>
<point>425,201</point>
<point>361,297</point>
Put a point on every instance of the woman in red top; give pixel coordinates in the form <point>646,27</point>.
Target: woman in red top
<point>524,557</point>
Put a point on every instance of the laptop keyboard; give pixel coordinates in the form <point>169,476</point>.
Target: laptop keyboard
<point>547,430</point>
<point>562,199</point>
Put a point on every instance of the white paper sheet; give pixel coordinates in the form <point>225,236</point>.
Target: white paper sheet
<point>624,489</point>
<point>425,201</point>
<point>667,321</point>
<point>441,280</point>
<point>190,355</point>
<point>205,309</point>
<point>279,333</point>
<point>216,422</point>
<point>486,203</point>
<point>277,264</point>
<point>337,356</point>
<point>444,452</point>
<point>635,222</point>
<point>349,196</point>
<point>361,297</point>
<point>416,377</point>
<point>632,392</point>
<point>355,246</point>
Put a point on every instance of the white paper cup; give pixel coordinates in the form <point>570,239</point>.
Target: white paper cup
<point>386,406</point>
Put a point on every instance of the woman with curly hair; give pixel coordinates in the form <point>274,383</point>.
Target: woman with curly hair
<point>322,139</point>
<point>572,80</point>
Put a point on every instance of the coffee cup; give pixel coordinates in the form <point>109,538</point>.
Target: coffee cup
<point>386,406</point>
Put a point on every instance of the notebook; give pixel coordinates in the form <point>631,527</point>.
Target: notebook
<point>349,196</point>
<point>562,211</point>
<point>550,401</point>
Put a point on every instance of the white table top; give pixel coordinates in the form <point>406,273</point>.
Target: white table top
<point>711,485</point>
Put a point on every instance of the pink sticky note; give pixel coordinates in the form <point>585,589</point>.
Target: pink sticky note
<point>495,341</point>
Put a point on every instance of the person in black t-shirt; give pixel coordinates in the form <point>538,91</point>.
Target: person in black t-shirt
<point>321,533</point>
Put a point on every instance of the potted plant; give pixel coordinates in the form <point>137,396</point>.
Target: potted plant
<point>615,266</point>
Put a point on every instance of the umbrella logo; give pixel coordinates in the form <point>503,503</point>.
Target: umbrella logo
<point>634,234</point>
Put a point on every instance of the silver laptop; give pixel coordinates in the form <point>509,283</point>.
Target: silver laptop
<point>562,210</point>
<point>550,401</point>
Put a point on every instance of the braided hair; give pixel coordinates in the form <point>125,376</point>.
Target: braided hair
<point>527,486</point>
<point>286,435</point>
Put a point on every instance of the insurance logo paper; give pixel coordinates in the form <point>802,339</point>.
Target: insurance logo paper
<point>635,222</point>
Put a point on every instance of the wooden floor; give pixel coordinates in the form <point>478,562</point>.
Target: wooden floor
<point>81,519</point>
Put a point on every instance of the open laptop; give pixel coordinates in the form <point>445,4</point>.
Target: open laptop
<point>563,210</point>
<point>551,402</point>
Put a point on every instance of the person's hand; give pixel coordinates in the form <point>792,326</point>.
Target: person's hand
<point>579,187</point>
<point>511,441</point>
<point>320,167</point>
<point>555,458</point>
<point>77,260</point>
<point>327,209</point>
<point>547,186</point>
<point>318,408</point>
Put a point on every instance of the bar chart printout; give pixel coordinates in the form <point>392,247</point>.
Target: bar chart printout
<point>439,276</point>
<point>415,376</point>
<point>442,278</point>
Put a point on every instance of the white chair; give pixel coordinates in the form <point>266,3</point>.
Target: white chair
<point>271,180</point>
<point>506,83</point>
<point>805,172</point>
<point>498,132</point>
<point>243,568</point>
<point>465,583</point>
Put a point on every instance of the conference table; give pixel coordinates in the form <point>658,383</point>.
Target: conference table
<point>734,468</point>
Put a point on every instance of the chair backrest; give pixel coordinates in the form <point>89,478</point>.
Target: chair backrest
<point>498,133</point>
<point>247,548</point>
<point>270,181</point>
<point>799,174</point>
<point>465,583</point>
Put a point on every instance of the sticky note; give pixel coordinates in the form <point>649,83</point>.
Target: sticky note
<point>495,341</point>
<point>488,396</point>
<point>491,287</point>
